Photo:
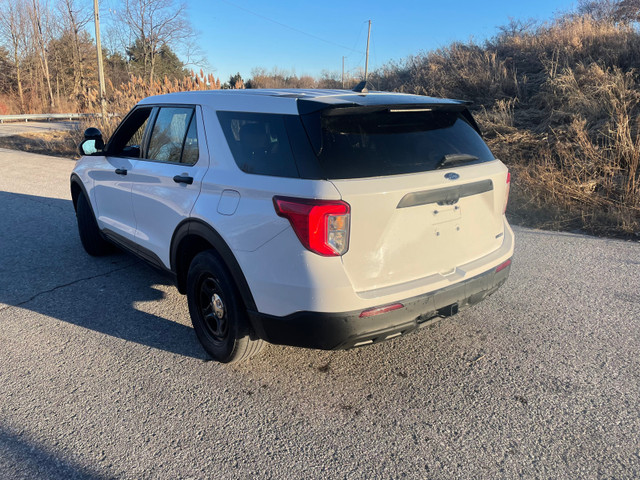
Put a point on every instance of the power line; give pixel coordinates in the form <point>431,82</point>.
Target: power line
<point>290,27</point>
<point>359,34</point>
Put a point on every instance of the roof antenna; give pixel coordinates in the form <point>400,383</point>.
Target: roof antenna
<point>362,87</point>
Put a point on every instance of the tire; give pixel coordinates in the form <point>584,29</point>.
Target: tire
<point>92,241</point>
<point>217,312</point>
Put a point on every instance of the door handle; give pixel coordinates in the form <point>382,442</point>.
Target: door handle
<point>183,179</point>
<point>121,171</point>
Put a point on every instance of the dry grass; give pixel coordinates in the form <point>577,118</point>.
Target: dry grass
<point>118,104</point>
<point>59,144</point>
<point>561,107</point>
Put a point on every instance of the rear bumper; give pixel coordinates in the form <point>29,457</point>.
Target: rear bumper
<point>333,331</point>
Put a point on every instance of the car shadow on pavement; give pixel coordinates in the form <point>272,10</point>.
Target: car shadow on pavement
<point>43,268</point>
<point>25,458</point>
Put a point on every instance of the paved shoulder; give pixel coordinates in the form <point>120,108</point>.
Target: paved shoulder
<point>102,376</point>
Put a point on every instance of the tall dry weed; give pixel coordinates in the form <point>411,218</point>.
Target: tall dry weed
<point>460,70</point>
<point>573,140</point>
<point>580,171</point>
<point>501,115</point>
<point>125,97</point>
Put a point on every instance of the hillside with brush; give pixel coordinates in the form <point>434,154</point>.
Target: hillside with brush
<point>560,105</point>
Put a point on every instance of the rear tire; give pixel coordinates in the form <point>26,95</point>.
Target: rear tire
<point>92,241</point>
<point>217,312</point>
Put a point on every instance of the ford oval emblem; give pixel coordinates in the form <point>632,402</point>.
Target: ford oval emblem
<point>451,176</point>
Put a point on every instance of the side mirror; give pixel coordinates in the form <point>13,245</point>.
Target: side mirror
<point>92,143</point>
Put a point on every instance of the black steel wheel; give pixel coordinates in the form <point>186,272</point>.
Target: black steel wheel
<point>212,309</point>
<point>217,312</point>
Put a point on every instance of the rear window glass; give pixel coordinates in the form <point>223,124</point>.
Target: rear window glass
<point>388,142</point>
<point>259,143</point>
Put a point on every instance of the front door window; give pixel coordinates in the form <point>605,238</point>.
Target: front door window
<point>174,137</point>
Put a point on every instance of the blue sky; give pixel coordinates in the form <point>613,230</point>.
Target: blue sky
<point>236,37</point>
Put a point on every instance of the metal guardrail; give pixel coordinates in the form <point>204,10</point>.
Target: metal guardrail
<point>33,117</point>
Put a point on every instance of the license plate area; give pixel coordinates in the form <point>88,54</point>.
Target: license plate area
<point>445,213</point>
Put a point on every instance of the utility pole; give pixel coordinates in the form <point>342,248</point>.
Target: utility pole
<point>343,72</point>
<point>366,62</point>
<point>103,102</point>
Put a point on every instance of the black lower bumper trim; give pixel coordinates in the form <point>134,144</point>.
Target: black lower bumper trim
<point>331,331</point>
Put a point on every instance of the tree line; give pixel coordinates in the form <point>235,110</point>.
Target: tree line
<point>48,57</point>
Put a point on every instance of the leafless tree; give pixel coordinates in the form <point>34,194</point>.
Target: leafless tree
<point>628,11</point>
<point>599,9</point>
<point>42,31</point>
<point>516,27</point>
<point>616,11</point>
<point>12,34</point>
<point>154,23</point>
<point>75,17</point>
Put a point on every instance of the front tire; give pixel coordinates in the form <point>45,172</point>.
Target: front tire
<point>92,241</point>
<point>217,312</point>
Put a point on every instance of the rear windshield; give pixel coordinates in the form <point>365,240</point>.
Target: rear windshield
<point>353,142</point>
<point>369,144</point>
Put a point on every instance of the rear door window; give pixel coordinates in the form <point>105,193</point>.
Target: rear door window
<point>259,143</point>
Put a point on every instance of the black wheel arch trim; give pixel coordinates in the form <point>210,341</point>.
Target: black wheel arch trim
<point>75,180</point>
<point>206,232</point>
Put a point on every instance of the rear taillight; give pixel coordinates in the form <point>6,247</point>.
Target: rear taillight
<point>372,312</point>
<point>321,225</point>
<point>506,195</point>
<point>503,265</point>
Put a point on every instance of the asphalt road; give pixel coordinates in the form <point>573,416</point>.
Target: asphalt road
<point>101,375</point>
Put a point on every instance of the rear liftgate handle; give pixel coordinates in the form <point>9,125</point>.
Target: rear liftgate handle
<point>183,179</point>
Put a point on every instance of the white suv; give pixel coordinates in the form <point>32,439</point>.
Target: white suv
<point>313,218</point>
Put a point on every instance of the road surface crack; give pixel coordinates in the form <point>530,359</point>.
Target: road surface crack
<point>57,287</point>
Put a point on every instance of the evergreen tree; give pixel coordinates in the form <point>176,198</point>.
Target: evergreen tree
<point>167,62</point>
<point>236,81</point>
